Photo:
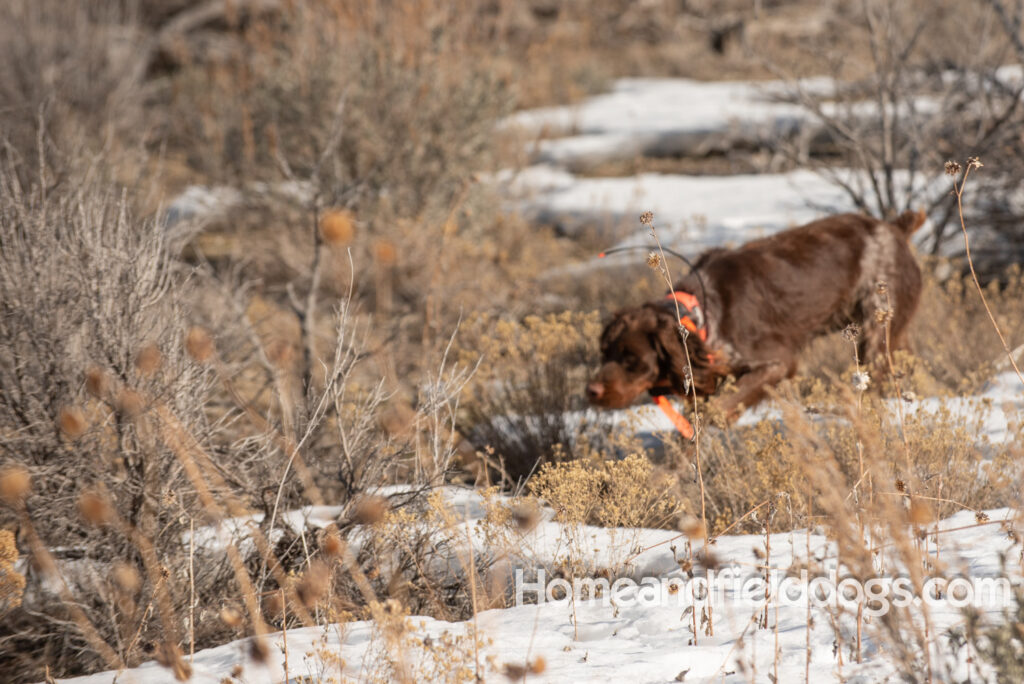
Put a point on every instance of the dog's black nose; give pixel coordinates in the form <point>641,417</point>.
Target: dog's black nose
<point>595,390</point>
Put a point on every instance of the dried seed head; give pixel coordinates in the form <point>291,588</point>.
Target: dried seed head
<point>920,512</point>
<point>15,484</point>
<point>236,671</point>
<point>709,560</point>
<point>96,382</point>
<point>369,510</point>
<point>686,565</point>
<point>337,227</point>
<point>861,381</point>
<point>94,508</point>
<point>647,218</point>
<point>385,252</point>
<point>149,359</point>
<point>974,163</point>
<point>653,261</point>
<point>851,332</point>
<point>72,422</point>
<point>981,517</point>
<point>953,168</point>
<point>127,578</point>
<point>230,616</point>
<point>526,517</point>
<point>515,672</point>
<point>881,287</point>
<point>130,403</point>
<point>333,546</point>
<point>315,583</point>
<point>901,486</point>
<point>393,606</point>
<point>199,344</point>
<point>691,526</point>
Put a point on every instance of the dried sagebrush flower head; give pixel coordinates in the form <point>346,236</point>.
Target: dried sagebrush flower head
<point>974,163</point>
<point>953,168</point>
<point>515,672</point>
<point>647,218</point>
<point>337,227</point>
<point>653,260</point>
<point>127,578</point>
<point>315,583</point>
<point>851,332</point>
<point>15,484</point>
<point>369,510</point>
<point>920,512</point>
<point>385,252</point>
<point>130,403</point>
<point>94,508</point>
<point>332,544</point>
<point>149,359</point>
<point>199,344</point>
<point>691,526</point>
<point>96,382</point>
<point>231,617</point>
<point>72,422</point>
<point>526,517</point>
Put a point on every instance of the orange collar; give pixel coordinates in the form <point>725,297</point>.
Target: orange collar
<point>692,318</point>
<point>692,315</point>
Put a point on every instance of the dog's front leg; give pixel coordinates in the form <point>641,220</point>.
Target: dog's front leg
<point>752,387</point>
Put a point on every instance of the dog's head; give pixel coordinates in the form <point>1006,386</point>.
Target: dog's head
<point>641,349</point>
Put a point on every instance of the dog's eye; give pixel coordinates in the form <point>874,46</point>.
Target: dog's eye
<point>631,363</point>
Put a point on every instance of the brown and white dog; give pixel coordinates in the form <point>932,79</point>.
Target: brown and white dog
<point>760,305</point>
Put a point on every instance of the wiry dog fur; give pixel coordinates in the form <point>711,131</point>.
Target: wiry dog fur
<point>763,303</point>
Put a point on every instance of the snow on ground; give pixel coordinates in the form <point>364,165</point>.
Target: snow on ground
<point>642,637</point>
<point>695,212</point>
<point>663,116</point>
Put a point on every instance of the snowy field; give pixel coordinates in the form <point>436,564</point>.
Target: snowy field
<point>642,637</point>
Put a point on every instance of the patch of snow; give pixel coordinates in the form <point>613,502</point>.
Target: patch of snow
<point>594,641</point>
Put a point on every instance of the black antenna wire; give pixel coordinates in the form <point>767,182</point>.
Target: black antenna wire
<point>693,269</point>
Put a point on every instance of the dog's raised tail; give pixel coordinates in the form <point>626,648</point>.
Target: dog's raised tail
<point>909,221</point>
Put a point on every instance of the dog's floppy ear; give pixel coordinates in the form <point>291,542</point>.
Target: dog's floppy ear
<point>668,343</point>
<point>672,355</point>
<point>614,329</point>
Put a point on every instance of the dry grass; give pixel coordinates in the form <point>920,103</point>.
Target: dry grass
<point>297,350</point>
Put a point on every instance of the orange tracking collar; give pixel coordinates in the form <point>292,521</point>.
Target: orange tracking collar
<point>691,317</point>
